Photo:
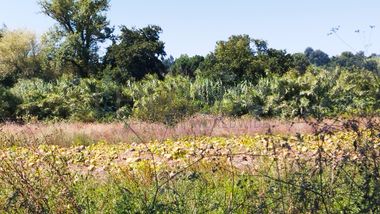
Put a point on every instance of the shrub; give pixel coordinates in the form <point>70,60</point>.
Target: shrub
<point>166,101</point>
<point>240,100</point>
<point>39,99</point>
<point>8,104</point>
<point>316,93</point>
<point>90,99</point>
<point>357,92</point>
<point>76,99</point>
<point>205,92</point>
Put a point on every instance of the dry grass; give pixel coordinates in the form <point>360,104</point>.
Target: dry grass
<point>65,133</point>
<point>323,172</point>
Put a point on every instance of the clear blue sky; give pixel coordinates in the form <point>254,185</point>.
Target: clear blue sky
<point>193,26</point>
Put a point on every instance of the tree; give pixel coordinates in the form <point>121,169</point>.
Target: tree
<point>372,65</point>
<point>235,55</point>
<point>308,51</point>
<point>82,25</point>
<point>277,61</point>
<point>355,61</point>
<point>168,62</point>
<point>186,65</point>
<point>242,58</point>
<point>301,62</point>
<point>317,57</point>
<point>232,60</point>
<point>18,56</point>
<point>138,53</point>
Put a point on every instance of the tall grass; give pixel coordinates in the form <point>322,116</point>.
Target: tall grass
<point>335,169</point>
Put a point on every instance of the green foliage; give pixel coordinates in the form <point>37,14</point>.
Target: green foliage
<point>167,101</point>
<point>81,26</point>
<point>231,61</point>
<point>299,96</point>
<point>276,61</point>
<point>301,62</point>
<point>356,61</point>
<point>317,57</point>
<point>185,65</point>
<point>8,104</point>
<point>316,93</point>
<point>137,54</point>
<point>75,99</point>
<point>18,56</point>
<point>358,92</point>
<point>59,79</point>
<point>38,99</point>
<point>242,58</point>
<point>240,100</point>
<point>205,92</point>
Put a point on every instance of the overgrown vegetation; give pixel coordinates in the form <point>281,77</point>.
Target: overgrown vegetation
<point>62,76</point>
<point>316,93</point>
<point>157,166</point>
<point>326,172</point>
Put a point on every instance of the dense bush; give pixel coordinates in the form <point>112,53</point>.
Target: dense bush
<point>240,100</point>
<point>165,101</point>
<point>67,98</point>
<point>316,93</point>
<point>242,76</point>
<point>129,76</point>
<point>38,99</point>
<point>356,93</point>
<point>186,65</point>
<point>356,61</point>
<point>8,104</point>
<point>206,92</point>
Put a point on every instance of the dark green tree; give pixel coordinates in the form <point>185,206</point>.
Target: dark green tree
<point>277,61</point>
<point>242,58</point>
<point>301,62</point>
<point>81,26</point>
<point>232,61</point>
<point>348,59</point>
<point>317,57</point>
<point>137,53</point>
<point>168,62</point>
<point>186,65</point>
<point>352,61</point>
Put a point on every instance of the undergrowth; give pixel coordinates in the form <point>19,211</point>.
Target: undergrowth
<point>326,172</point>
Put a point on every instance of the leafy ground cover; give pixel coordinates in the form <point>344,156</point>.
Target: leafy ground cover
<point>326,172</point>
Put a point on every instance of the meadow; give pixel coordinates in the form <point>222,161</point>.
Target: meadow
<point>267,167</point>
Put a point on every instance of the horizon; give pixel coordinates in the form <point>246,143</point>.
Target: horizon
<point>193,28</point>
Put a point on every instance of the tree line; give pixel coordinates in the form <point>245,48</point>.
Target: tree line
<point>62,76</point>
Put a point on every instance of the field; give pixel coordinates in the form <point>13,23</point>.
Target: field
<point>101,114</point>
<point>219,166</point>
